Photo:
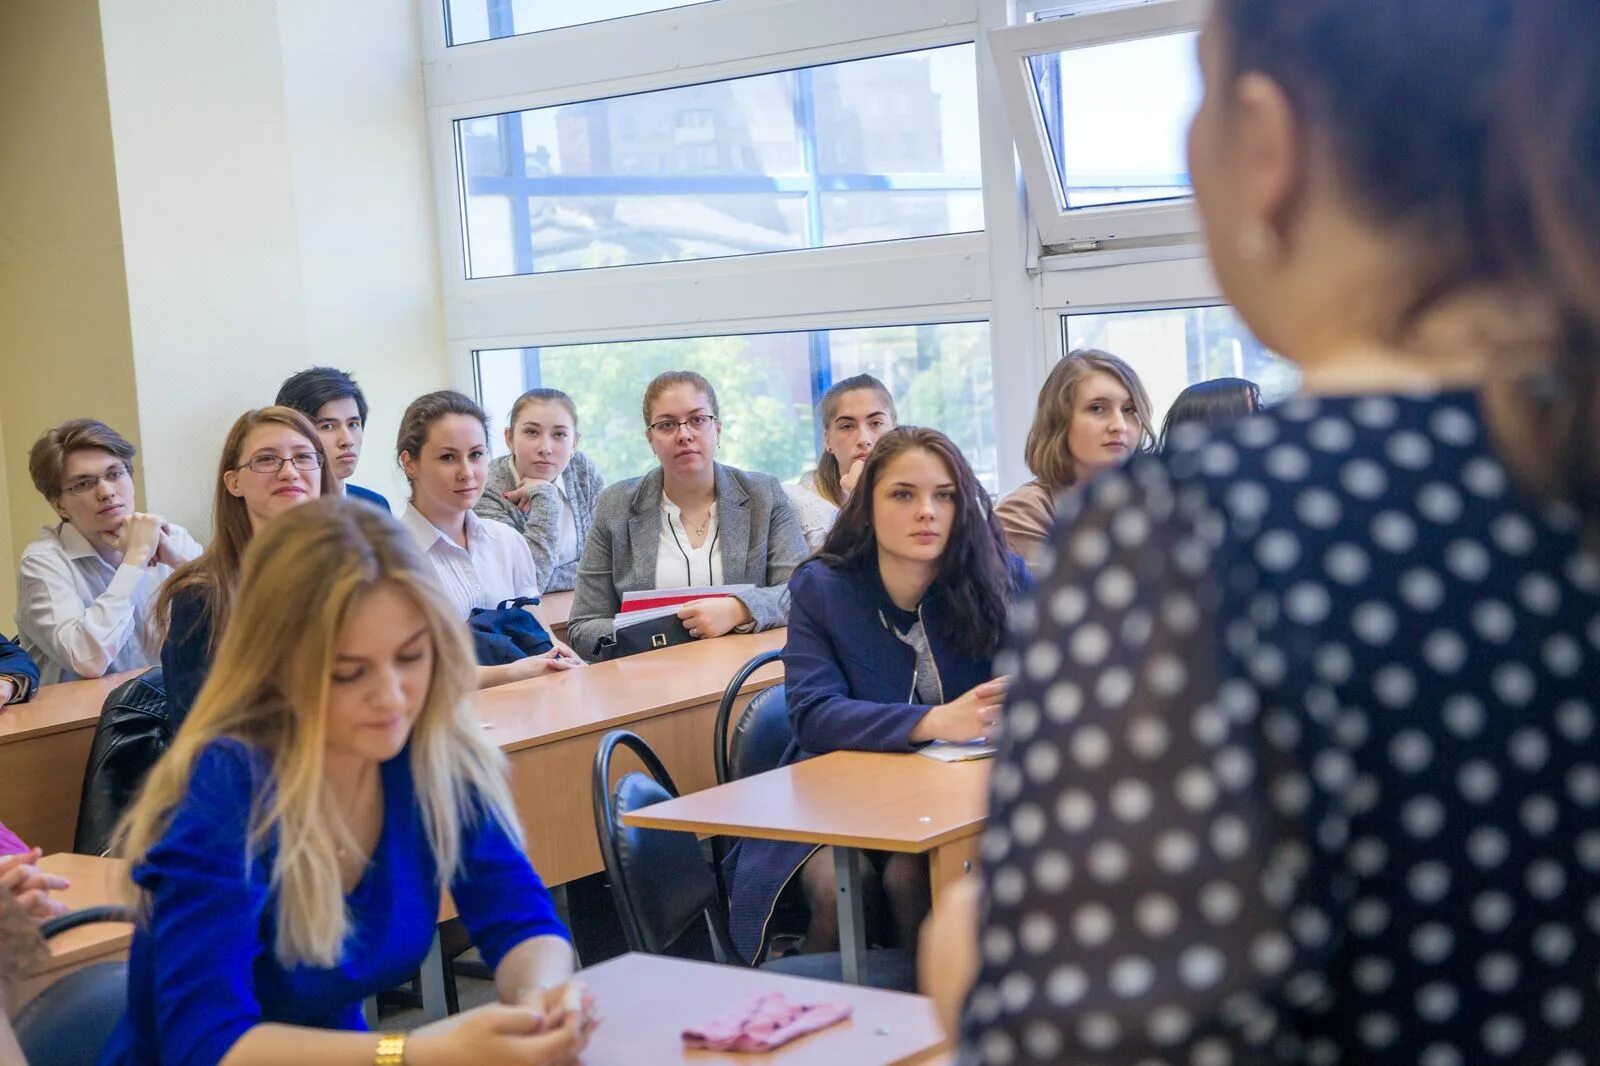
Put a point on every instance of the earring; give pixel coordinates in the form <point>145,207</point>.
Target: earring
<point>1257,241</point>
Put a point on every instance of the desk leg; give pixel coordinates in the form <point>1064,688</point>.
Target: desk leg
<point>950,862</point>
<point>852,920</point>
<point>433,1004</point>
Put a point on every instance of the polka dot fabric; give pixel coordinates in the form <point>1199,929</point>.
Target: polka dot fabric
<point>1301,761</point>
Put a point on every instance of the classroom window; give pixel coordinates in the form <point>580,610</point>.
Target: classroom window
<point>469,21</point>
<point>768,386</point>
<point>1116,117</point>
<point>847,153</point>
<point>1173,349</point>
<point>1101,104</point>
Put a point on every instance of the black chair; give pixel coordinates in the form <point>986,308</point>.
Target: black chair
<point>664,888</point>
<point>69,1022</point>
<point>133,732</point>
<point>762,732</point>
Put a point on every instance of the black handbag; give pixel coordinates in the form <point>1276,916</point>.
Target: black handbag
<point>663,632</point>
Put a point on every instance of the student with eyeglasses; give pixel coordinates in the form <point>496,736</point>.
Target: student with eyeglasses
<point>690,522</point>
<point>85,586</point>
<point>272,461</point>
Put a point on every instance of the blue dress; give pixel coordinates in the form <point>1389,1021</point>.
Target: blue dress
<point>848,682</point>
<point>1301,765</point>
<point>202,971</point>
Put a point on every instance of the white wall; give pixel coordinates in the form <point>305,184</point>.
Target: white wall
<point>272,170</point>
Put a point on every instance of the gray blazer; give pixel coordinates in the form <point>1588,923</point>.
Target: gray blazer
<point>538,527</point>
<point>761,545</point>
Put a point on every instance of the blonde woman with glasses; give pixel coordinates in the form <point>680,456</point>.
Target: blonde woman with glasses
<point>690,522</point>
<point>331,781</point>
<point>85,586</point>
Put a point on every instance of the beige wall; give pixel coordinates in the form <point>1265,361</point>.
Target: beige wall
<point>65,345</point>
<point>272,168</point>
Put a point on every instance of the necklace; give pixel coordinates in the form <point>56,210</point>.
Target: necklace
<point>700,531</point>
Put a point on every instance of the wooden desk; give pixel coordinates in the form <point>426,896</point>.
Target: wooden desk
<point>96,882</point>
<point>44,747</point>
<point>849,800</point>
<point>549,728</point>
<point>644,1002</point>
<point>556,606</point>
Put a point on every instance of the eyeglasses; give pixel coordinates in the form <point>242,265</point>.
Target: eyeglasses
<point>84,485</point>
<point>697,424</point>
<point>271,464</point>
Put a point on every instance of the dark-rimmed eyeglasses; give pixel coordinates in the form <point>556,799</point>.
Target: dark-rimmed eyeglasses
<point>84,485</point>
<point>697,424</point>
<point>271,464</point>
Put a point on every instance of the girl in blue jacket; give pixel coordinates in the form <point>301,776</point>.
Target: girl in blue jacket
<point>893,628</point>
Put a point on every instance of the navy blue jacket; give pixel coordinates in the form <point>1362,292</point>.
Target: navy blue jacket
<point>15,662</point>
<point>847,677</point>
<point>359,493</point>
<point>848,683</point>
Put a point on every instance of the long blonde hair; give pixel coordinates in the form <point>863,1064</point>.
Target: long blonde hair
<point>1047,451</point>
<point>269,689</point>
<point>215,573</point>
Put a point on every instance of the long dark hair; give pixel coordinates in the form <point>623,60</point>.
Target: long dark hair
<point>1473,126</point>
<point>973,588</point>
<point>828,473</point>
<point>1210,403</point>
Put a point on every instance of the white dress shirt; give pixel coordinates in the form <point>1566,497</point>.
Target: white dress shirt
<point>78,615</point>
<point>495,565</point>
<point>680,566</point>
<point>566,546</point>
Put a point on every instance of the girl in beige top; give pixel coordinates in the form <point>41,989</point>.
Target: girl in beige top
<point>1093,414</point>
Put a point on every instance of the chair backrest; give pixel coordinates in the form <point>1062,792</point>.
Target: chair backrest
<point>132,734</point>
<point>761,735</point>
<point>720,741</point>
<point>660,880</point>
<point>70,1021</point>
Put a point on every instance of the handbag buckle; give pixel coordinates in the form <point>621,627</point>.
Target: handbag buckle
<point>658,640</point>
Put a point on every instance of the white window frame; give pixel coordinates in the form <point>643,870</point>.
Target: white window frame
<point>1012,48</point>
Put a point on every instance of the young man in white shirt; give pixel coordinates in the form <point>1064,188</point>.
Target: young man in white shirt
<point>84,586</point>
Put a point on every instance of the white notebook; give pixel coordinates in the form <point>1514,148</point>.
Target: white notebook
<point>947,752</point>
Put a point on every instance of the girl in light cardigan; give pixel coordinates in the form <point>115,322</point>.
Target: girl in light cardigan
<point>545,489</point>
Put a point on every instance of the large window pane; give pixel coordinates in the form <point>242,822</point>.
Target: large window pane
<point>871,150</point>
<point>1117,116</point>
<point>486,20</point>
<point>1174,349</point>
<point>768,386</point>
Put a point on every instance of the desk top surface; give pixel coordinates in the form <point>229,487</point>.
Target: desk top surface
<point>543,710</point>
<point>857,799</point>
<point>525,713</point>
<point>95,882</point>
<point>645,1001</point>
<point>57,708</point>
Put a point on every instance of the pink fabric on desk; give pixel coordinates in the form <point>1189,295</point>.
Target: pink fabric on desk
<point>764,1022</point>
<point>10,843</point>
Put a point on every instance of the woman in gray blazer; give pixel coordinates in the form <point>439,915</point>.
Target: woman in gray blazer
<point>690,522</point>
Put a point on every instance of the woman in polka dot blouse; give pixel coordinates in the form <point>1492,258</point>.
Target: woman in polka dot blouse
<point>1301,764</point>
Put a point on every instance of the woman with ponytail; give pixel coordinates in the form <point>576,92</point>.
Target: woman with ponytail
<point>1332,798</point>
<point>855,412</point>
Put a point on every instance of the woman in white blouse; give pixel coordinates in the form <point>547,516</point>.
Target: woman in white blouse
<point>690,522</point>
<point>444,450</point>
<point>85,586</point>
